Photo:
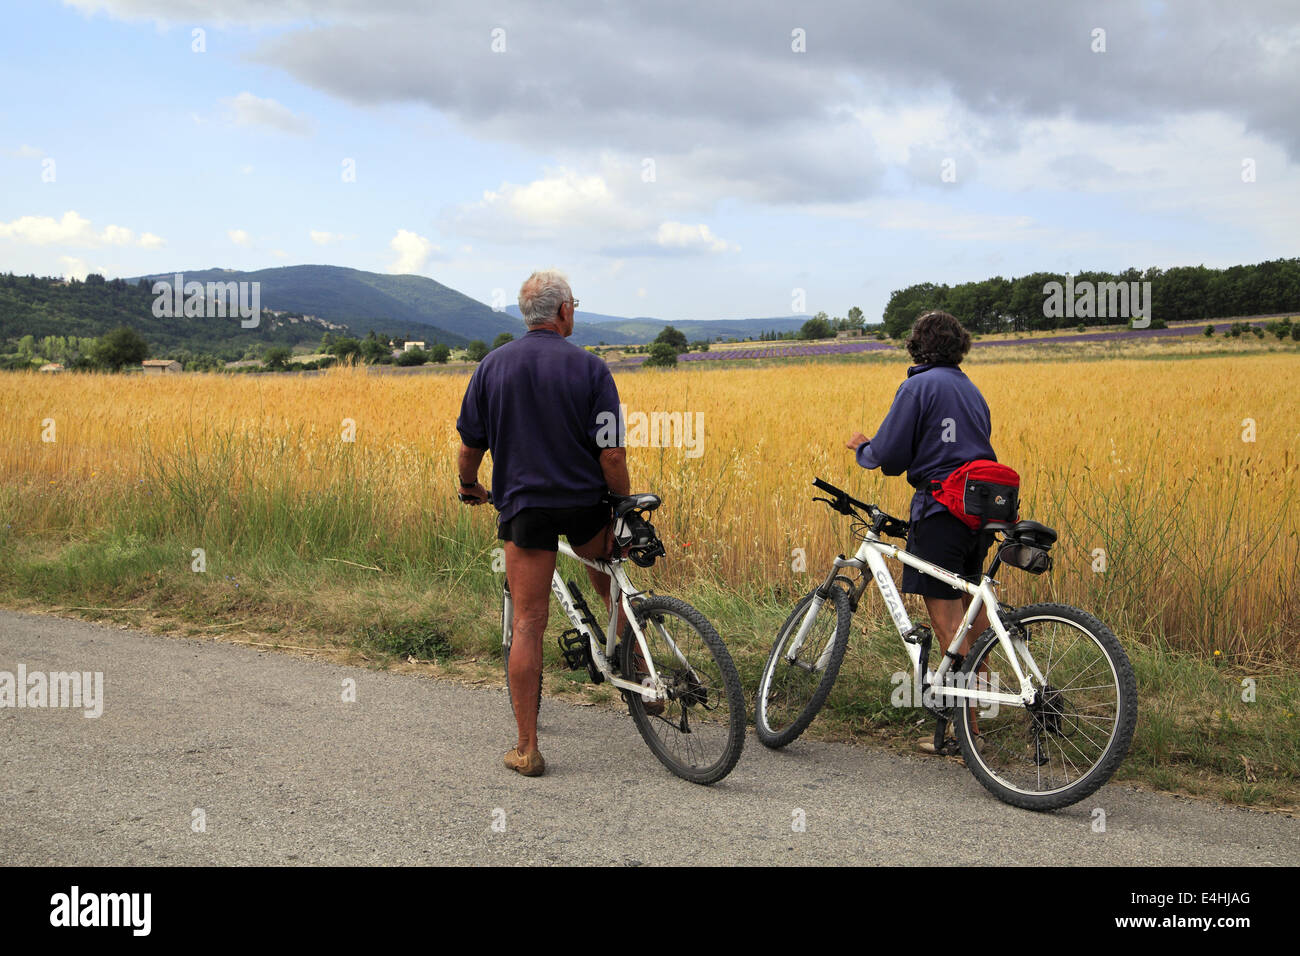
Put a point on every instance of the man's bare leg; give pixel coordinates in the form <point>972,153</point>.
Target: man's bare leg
<point>529,572</point>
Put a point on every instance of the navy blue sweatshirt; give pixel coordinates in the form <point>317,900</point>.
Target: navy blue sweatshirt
<point>545,409</point>
<point>938,422</point>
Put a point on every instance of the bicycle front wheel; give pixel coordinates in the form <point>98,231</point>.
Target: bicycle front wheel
<point>699,730</point>
<point>1076,733</point>
<point>797,680</point>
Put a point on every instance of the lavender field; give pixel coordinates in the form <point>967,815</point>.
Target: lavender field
<point>762,351</point>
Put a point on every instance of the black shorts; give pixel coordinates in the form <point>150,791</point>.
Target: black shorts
<point>541,527</point>
<point>943,540</point>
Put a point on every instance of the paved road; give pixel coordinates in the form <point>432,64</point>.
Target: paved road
<point>285,771</point>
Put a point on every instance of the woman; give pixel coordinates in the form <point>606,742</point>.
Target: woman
<point>938,422</point>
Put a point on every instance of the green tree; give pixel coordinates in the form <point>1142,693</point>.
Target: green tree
<point>477,350</point>
<point>818,327</point>
<point>412,357</point>
<point>906,304</point>
<point>670,336</point>
<point>277,357</point>
<point>662,355</point>
<point>501,340</point>
<point>345,348</point>
<point>123,346</point>
<point>856,318</point>
<point>439,353</point>
<point>374,349</point>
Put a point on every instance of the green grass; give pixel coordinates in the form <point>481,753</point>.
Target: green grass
<point>1195,733</point>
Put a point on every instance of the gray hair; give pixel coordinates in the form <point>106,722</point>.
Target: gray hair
<point>541,296</point>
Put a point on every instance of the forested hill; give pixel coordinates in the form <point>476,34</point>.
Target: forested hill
<point>40,307</point>
<point>409,306</point>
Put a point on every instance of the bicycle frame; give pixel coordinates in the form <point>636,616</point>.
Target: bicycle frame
<point>621,593</point>
<point>870,558</point>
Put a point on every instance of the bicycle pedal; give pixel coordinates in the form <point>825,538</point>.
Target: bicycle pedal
<point>574,649</point>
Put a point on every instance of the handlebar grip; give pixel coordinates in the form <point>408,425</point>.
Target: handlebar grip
<point>826,486</point>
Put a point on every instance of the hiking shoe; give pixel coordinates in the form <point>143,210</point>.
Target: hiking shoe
<point>530,765</point>
<point>950,746</point>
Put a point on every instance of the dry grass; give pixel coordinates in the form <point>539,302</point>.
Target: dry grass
<point>1142,459</point>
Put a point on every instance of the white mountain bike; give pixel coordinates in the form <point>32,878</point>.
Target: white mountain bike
<point>1056,695</point>
<point>680,684</point>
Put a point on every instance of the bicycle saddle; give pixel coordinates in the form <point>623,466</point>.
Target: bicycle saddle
<point>1031,530</point>
<point>625,503</point>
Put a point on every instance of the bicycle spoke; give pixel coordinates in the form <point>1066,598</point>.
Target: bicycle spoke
<point>1055,743</point>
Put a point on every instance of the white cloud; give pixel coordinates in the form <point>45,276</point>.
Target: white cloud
<point>118,236</point>
<point>238,236</point>
<point>149,241</point>
<point>249,110</point>
<point>73,268</point>
<point>612,211</point>
<point>561,201</point>
<point>323,238</point>
<point>413,251</point>
<point>680,236</point>
<point>71,230</point>
<point>24,152</point>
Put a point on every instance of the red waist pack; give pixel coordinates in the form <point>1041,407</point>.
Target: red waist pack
<point>980,491</point>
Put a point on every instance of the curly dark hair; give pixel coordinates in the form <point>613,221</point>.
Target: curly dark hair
<point>938,338</point>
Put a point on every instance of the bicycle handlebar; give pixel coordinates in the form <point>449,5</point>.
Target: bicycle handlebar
<point>846,504</point>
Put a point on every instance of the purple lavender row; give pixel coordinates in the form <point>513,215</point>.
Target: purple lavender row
<point>845,348</point>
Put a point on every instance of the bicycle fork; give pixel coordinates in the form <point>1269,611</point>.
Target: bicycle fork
<point>820,596</point>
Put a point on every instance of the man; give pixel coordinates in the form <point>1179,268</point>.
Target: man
<point>538,404</point>
<point>938,422</point>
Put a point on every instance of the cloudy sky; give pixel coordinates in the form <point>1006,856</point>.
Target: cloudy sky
<point>678,159</point>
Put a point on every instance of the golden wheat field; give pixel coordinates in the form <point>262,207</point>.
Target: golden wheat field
<point>1172,483</point>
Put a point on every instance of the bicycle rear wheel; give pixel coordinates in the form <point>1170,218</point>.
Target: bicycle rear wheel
<point>793,688</point>
<point>701,730</point>
<point>1076,733</point>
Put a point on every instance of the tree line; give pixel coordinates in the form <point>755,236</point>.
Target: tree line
<point>1182,292</point>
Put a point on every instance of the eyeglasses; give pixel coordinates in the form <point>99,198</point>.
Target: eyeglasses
<point>575,305</point>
